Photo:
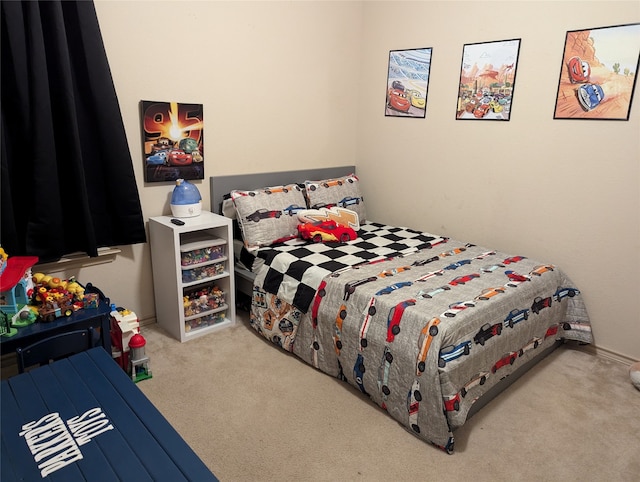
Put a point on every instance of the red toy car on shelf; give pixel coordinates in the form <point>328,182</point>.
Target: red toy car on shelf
<point>326,231</point>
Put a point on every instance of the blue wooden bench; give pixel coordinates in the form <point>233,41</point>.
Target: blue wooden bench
<point>82,418</point>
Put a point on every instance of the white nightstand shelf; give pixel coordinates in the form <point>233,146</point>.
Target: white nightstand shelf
<point>193,274</point>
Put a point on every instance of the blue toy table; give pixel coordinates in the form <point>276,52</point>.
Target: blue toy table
<point>98,318</point>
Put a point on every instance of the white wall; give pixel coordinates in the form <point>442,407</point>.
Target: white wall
<point>292,84</point>
<point>278,85</point>
<point>561,191</point>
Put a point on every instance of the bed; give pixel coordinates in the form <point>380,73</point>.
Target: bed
<point>429,328</point>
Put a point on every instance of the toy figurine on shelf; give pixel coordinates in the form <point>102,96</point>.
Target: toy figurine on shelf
<point>138,360</point>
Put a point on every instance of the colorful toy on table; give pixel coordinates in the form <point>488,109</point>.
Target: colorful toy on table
<point>91,300</point>
<point>3,259</point>
<point>16,286</point>
<point>5,326</point>
<point>55,297</point>
<point>25,317</point>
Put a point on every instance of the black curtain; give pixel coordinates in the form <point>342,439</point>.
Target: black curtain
<point>67,176</point>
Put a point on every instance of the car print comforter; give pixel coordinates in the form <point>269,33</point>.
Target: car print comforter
<point>423,332</point>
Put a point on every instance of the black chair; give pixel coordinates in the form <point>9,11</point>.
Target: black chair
<point>54,348</point>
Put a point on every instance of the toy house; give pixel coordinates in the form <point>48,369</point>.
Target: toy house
<point>15,282</point>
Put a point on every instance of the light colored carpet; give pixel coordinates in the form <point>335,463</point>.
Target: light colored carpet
<point>255,413</point>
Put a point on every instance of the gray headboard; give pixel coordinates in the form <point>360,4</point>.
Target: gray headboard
<point>222,185</point>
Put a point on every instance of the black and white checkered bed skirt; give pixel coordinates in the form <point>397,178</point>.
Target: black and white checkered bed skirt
<point>294,270</point>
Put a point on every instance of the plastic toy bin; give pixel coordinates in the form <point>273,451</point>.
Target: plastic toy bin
<point>202,300</point>
<point>202,272</point>
<point>199,252</point>
<point>202,321</point>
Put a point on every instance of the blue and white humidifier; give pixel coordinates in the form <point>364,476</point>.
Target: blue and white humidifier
<point>186,201</point>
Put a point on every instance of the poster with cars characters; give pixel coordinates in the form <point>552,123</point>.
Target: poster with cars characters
<point>487,80</point>
<point>598,73</point>
<point>408,83</point>
<point>173,141</point>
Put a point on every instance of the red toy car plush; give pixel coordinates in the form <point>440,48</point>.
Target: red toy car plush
<point>326,231</point>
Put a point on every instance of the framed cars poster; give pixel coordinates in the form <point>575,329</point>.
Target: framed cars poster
<point>487,80</point>
<point>173,141</point>
<point>598,73</point>
<point>408,83</point>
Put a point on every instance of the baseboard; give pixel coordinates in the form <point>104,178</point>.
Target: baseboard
<point>609,354</point>
<point>150,320</point>
<point>591,349</point>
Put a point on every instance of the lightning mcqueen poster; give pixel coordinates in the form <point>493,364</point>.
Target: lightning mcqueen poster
<point>173,139</point>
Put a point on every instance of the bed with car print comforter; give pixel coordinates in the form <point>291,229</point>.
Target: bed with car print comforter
<point>423,325</point>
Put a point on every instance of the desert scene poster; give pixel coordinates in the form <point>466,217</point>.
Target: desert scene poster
<point>598,73</point>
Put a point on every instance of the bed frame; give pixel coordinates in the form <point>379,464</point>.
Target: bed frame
<point>222,185</point>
